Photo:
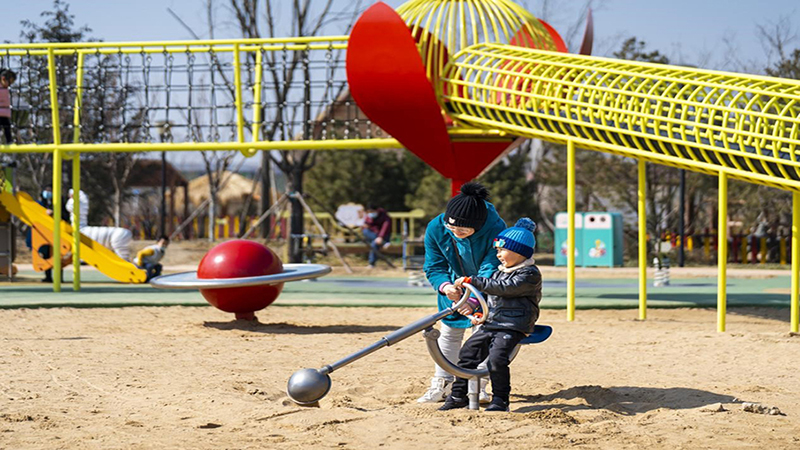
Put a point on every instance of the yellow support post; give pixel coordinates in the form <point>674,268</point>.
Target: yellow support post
<point>707,247</point>
<point>642,207</point>
<point>57,160</point>
<point>256,102</point>
<point>237,84</point>
<point>571,231</point>
<point>236,225</point>
<point>689,243</point>
<point>76,177</point>
<point>722,252</point>
<point>763,250</point>
<point>782,246</point>
<point>795,303</point>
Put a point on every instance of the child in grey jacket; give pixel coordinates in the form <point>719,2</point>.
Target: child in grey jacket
<point>514,292</point>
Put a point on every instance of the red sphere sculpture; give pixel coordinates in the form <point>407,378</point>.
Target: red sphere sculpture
<point>237,259</point>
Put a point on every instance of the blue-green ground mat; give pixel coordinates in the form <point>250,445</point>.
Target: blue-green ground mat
<point>99,291</point>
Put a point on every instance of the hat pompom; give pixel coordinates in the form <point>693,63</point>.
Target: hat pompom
<point>473,189</point>
<point>526,223</point>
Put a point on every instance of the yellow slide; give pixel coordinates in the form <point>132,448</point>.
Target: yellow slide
<point>106,261</point>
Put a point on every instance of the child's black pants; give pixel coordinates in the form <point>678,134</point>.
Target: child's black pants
<point>497,345</point>
<point>5,124</point>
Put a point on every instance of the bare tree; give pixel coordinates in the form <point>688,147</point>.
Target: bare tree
<point>306,18</point>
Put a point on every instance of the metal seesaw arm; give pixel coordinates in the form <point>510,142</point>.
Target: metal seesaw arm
<point>308,386</point>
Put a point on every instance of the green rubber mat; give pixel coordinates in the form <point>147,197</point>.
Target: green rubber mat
<point>98,291</point>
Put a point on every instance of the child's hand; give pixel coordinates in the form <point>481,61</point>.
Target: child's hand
<point>465,309</point>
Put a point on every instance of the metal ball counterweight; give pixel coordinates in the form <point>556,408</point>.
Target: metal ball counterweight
<point>308,386</point>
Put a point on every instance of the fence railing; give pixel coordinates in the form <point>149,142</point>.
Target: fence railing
<point>228,226</point>
<point>742,248</point>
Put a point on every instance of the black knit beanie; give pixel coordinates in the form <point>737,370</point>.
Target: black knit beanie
<point>468,208</point>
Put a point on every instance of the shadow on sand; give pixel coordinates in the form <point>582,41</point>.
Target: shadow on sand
<point>290,328</point>
<point>623,400</point>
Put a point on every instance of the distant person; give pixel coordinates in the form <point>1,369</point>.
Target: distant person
<point>46,201</point>
<point>377,231</point>
<point>116,239</point>
<point>84,208</point>
<point>149,258</point>
<point>7,78</point>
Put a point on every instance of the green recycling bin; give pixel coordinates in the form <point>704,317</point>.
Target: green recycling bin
<point>602,239</point>
<point>562,222</point>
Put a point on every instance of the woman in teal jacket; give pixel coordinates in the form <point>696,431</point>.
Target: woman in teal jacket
<point>458,243</point>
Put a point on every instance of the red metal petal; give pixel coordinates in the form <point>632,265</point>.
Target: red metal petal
<point>387,80</point>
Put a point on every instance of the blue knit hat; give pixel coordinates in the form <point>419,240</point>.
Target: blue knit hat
<point>519,238</point>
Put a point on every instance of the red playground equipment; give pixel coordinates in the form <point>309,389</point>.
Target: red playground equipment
<point>240,277</point>
<point>239,259</point>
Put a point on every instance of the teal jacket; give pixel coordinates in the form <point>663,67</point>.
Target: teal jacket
<point>478,257</point>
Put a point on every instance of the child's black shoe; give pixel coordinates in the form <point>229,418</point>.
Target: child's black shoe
<point>498,404</point>
<point>454,403</point>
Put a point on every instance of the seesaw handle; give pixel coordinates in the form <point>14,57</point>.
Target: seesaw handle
<point>408,330</point>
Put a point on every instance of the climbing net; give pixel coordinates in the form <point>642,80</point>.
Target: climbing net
<point>200,91</point>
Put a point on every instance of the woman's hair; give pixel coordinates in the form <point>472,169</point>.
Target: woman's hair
<point>475,189</point>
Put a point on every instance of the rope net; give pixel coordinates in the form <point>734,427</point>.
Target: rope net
<point>273,91</point>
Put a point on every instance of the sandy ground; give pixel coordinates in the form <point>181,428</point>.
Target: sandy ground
<point>156,378</point>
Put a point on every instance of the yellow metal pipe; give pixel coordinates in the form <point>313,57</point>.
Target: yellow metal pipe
<point>330,144</point>
<point>256,132</point>
<point>76,177</point>
<point>571,231</point>
<point>57,162</point>
<point>642,209</point>
<point>782,247</point>
<point>237,85</point>
<point>722,252</point>
<point>76,45</point>
<point>76,228</point>
<point>795,303</point>
<point>187,49</point>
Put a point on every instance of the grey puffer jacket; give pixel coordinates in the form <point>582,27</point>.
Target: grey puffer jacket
<point>513,298</point>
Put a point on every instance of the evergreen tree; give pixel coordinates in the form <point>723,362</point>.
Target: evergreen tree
<point>512,192</point>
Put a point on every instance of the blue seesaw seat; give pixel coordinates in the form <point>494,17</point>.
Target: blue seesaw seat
<point>540,334</point>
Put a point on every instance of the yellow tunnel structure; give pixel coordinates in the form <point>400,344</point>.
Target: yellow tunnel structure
<point>745,126</point>
<point>729,125</point>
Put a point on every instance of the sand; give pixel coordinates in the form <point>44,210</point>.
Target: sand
<point>161,378</point>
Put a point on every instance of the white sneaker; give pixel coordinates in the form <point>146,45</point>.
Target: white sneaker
<point>438,392</point>
<point>483,396</point>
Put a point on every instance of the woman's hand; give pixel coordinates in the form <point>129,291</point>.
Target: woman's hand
<point>460,281</point>
<point>453,292</point>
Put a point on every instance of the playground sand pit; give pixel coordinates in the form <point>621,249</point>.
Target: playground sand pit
<point>140,378</point>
